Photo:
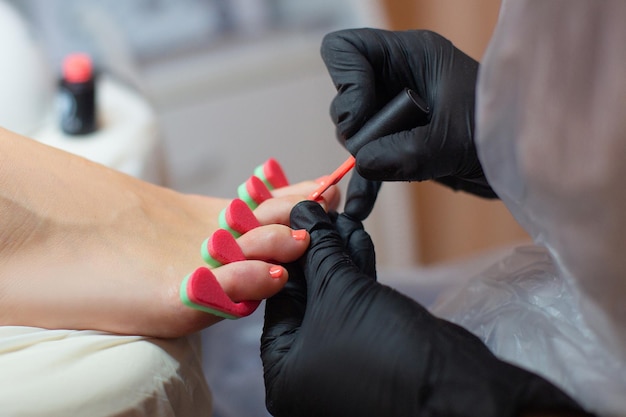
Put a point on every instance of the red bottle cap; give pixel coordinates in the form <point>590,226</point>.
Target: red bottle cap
<point>77,68</point>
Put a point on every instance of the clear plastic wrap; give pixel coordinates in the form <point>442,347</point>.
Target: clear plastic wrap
<point>551,135</point>
<point>528,314</point>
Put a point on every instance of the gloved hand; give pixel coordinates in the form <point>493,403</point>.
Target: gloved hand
<point>369,67</point>
<point>337,343</point>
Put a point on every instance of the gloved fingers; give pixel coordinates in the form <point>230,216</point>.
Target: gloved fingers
<point>283,316</point>
<point>360,196</point>
<point>353,78</point>
<point>327,266</point>
<point>356,59</point>
<point>358,243</point>
<point>413,155</point>
<point>384,52</point>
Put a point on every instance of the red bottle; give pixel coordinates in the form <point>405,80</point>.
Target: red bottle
<point>77,98</point>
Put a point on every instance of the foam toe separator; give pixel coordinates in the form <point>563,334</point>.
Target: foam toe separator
<point>272,174</point>
<point>221,248</point>
<point>201,290</point>
<point>239,217</point>
<point>253,192</point>
<point>244,195</point>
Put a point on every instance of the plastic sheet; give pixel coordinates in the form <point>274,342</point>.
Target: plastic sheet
<point>529,315</point>
<point>551,136</point>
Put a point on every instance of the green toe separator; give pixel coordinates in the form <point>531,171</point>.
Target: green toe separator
<point>207,256</point>
<point>184,297</point>
<point>204,249</point>
<point>258,171</point>
<point>224,225</point>
<point>243,194</point>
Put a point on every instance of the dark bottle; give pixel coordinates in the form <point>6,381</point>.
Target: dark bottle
<point>77,96</point>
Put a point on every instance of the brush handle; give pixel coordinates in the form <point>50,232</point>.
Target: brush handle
<point>404,112</point>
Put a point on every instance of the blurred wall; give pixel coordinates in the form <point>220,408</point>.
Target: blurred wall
<point>452,225</point>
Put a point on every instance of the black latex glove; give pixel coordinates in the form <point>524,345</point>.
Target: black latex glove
<point>369,67</point>
<point>360,196</point>
<point>337,343</point>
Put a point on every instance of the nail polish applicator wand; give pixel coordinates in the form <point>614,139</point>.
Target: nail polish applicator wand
<point>405,111</point>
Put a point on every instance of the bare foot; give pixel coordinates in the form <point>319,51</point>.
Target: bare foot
<point>85,247</point>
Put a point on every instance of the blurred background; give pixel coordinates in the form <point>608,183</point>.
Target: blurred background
<point>194,94</point>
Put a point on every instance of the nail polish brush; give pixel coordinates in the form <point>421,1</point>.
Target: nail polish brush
<point>405,111</point>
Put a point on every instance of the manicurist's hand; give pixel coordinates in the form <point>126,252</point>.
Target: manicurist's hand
<point>338,343</point>
<point>369,67</point>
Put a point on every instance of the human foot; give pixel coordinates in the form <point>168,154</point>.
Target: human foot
<point>86,247</point>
